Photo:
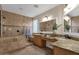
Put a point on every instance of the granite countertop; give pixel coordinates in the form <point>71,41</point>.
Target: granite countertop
<point>36,33</point>
<point>57,38</point>
<point>68,44</point>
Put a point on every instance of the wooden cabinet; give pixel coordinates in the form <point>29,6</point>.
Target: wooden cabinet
<point>39,41</point>
<point>0,23</point>
<point>60,51</point>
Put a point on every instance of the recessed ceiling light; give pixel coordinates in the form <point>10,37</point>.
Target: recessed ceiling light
<point>21,9</point>
<point>36,6</point>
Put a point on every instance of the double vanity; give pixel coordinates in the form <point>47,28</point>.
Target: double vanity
<point>59,44</point>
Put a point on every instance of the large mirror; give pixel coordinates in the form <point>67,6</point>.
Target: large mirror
<point>71,18</point>
<point>47,26</point>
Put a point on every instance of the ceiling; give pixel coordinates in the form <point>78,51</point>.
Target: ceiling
<point>30,10</point>
<point>74,12</point>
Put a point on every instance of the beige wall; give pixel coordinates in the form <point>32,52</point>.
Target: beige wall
<point>75,24</point>
<point>15,19</point>
<point>12,22</point>
<point>57,13</point>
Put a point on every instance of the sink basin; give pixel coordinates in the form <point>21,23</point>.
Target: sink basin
<point>67,36</point>
<point>53,39</point>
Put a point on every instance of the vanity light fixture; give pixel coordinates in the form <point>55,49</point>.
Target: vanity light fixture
<point>50,18</point>
<point>46,18</point>
<point>67,18</point>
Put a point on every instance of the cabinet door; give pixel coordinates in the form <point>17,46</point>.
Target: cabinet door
<point>39,41</point>
<point>0,23</point>
<point>61,51</point>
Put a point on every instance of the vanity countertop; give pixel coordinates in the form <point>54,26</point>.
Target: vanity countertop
<point>68,44</point>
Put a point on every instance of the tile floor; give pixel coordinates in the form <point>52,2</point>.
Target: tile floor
<point>29,50</point>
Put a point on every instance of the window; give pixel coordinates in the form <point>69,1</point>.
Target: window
<point>36,26</point>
